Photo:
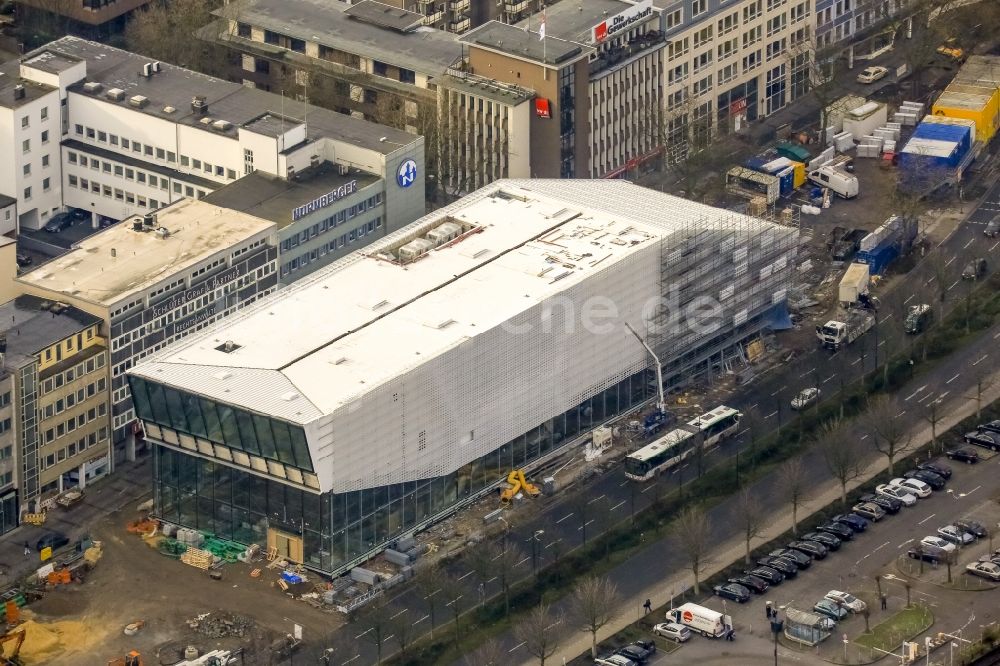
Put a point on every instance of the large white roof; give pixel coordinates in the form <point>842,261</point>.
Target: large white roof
<point>323,342</point>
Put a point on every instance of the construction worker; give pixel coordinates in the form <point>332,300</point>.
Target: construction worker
<point>648,606</point>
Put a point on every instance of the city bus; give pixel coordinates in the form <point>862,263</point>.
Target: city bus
<point>671,449</point>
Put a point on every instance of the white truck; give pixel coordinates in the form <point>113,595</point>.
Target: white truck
<point>836,334</point>
<point>705,621</point>
<point>854,284</point>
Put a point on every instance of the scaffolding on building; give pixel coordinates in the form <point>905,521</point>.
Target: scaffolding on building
<point>722,283</point>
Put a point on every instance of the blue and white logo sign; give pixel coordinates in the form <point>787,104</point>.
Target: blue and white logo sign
<point>406,174</point>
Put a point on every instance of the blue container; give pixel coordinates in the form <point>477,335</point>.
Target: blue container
<point>786,180</point>
<point>879,258</point>
<point>757,163</point>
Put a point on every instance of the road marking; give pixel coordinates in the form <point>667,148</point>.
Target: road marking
<point>362,634</point>
<point>948,263</point>
<point>952,285</point>
<point>881,343</point>
<point>900,414</point>
<point>617,505</point>
<point>903,544</point>
<point>563,518</point>
<point>915,392</point>
<point>953,379</point>
<point>864,437</point>
<point>855,361</point>
<point>994,246</point>
<point>515,647</point>
<point>754,405</point>
<point>983,358</point>
<point>588,522</point>
<point>885,318</point>
<point>909,299</point>
<point>973,490</point>
<point>966,246</point>
<point>996,336</point>
<point>880,547</point>
<point>926,519</point>
<point>623,483</point>
<point>465,575</point>
<point>807,373</point>
<point>778,391</point>
<point>421,620</point>
<point>829,378</point>
<point>595,499</point>
<point>397,614</point>
<point>522,561</point>
<point>770,415</point>
<point>491,580</point>
<point>646,489</point>
<point>553,543</point>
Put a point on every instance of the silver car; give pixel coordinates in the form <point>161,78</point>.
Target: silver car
<point>673,631</point>
<point>955,535</point>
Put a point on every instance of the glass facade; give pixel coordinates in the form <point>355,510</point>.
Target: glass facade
<point>336,528</point>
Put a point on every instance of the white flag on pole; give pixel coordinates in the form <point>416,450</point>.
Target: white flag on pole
<point>541,28</point>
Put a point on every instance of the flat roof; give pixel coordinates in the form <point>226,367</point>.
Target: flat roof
<point>488,88</point>
<point>574,21</point>
<point>31,324</point>
<point>6,201</point>
<point>174,87</point>
<point>520,43</point>
<point>10,78</point>
<point>48,61</point>
<point>387,16</point>
<point>364,319</point>
<point>426,50</point>
<point>142,258</point>
<point>271,198</point>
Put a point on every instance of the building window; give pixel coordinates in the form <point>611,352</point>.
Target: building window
<point>675,18</point>
<point>244,30</point>
<point>26,169</point>
<point>27,193</point>
<point>26,146</point>
<point>45,112</point>
<point>46,184</point>
<point>699,7</point>
<point>25,122</point>
<point>45,136</point>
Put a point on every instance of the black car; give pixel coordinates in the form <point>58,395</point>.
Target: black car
<point>733,592</point>
<point>935,481</point>
<point>869,511</point>
<point>59,222</point>
<point>813,549</point>
<point>933,556</point>
<point>79,214</point>
<point>972,527</point>
<point>754,584</point>
<point>772,576</point>
<point>888,504</point>
<point>637,652</point>
<point>801,560</point>
<point>975,269</point>
<point>940,469</point>
<point>831,542</point>
<point>53,540</point>
<point>785,566</point>
<point>984,438</point>
<point>23,260</point>
<point>963,454</point>
<point>992,426</point>
<point>852,520</point>
<point>842,532</point>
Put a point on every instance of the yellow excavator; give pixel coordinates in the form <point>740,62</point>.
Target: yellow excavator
<point>11,659</point>
<point>517,484</point>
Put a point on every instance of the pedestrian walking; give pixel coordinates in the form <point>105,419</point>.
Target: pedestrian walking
<point>885,602</point>
<point>730,635</point>
<point>769,611</point>
<point>648,606</point>
<point>27,550</point>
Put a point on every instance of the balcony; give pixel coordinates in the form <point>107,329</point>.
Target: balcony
<point>460,24</point>
<point>516,6</point>
<point>432,16</point>
<point>459,6</point>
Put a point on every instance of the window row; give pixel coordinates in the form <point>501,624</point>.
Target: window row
<point>77,371</point>
<point>26,120</point>
<point>125,144</point>
<point>75,448</point>
<point>74,398</point>
<point>78,421</point>
<point>336,244</point>
<point>115,193</point>
<point>128,173</point>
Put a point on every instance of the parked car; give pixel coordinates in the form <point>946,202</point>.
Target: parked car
<point>992,227</point>
<point>733,592</point>
<point>938,468</point>
<point>951,49</point>
<point>955,535</point>
<point>992,426</point>
<point>813,549</point>
<point>801,560</point>
<point>771,575</point>
<point>975,269</point>
<point>869,511</point>
<point>935,481</point>
<point>831,609</point>
<point>79,214</point>
<point>993,557</point>
<point>886,490</point>
<point>847,600</point>
<point>984,438</point>
<point>872,74</point>
<point>963,454</point>
<point>972,527</point>
<point>23,260</point>
<point>938,542</point>
<point>614,660</point>
<point>677,633</point>
<point>805,398</point>
<point>752,583</point>
<point>989,570</point>
<point>852,520</point>
<point>912,486</point>
<point>831,542</point>
<point>932,555</point>
<point>53,540</point>
<point>639,652</point>
<point>842,532</point>
<point>58,222</point>
<point>888,504</point>
<point>786,567</point>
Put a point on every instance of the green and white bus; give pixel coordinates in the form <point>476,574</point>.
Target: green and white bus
<point>671,449</point>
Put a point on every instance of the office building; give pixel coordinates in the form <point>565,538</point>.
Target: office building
<point>8,215</point>
<point>54,403</point>
<point>152,281</point>
<point>94,18</point>
<point>482,338</point>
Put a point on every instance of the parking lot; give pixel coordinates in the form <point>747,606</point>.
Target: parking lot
<point>878,551</point>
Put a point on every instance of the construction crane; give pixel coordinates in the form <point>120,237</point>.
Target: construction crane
<point>12,659</point>
<point>657,420</point>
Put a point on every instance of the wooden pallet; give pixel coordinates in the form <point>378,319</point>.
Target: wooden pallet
<point>201,559</point>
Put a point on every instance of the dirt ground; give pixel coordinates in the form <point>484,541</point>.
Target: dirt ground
<point>82,624</point>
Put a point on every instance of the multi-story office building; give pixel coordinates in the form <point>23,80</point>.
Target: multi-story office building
<point>156,280</point>
<point>105,130</point>
<point>861,26</point>
<point>484,337</point>
<point>8,215</point>
<point>54,403</point>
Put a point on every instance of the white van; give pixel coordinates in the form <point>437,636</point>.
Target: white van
<point>840,182</point>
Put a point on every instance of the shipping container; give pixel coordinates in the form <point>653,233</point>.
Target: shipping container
<point>794,151</point>
<point>799,178</point>
<point>980,107</point>
<point>879,258</point>
<point>865,119</point>
<point>753,184</point>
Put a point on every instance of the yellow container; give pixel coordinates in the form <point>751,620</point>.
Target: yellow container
<point>983,108</point>
<point>799,174</point>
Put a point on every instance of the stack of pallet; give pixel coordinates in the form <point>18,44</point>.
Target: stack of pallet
<point>202,559</point>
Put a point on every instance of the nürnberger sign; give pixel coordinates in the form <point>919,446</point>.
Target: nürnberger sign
<point>327,199</point>
<point>612,25</point>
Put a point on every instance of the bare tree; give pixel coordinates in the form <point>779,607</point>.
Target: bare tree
<point>983,382</point>
<point>933,413</point>
<point>430,584</point>
<point>496,560</point>
<point>888,431</point>
<point>794,486</point>
<point>693,529</point>
<point>537,631</point>
<point>842,456</point>
<point>755,427</point>
<point>376,618</point>
<point>749,516</point>
<point>452,593</point>
<point>167,31</point>
<point>489,653</point>
<point>401,626</point>
<point>593,605</point>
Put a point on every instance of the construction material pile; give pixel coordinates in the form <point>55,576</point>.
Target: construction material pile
<point>220,625</point>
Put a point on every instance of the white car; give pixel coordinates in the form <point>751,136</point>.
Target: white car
<point>847,600</point>
<point>678,633</point>
<point>872,74</point>
<point>938,542</point>
<point>896,493</point>
<point>913,486</point>
<point>955,535</point>
<point>805,398</point>
<point>989,570</point>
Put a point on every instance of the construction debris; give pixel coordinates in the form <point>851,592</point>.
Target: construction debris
<point>220,625</point>
<point>132,628</point>
<point>201,559</point>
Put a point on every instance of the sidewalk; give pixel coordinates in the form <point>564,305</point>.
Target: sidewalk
<point>733,549</point>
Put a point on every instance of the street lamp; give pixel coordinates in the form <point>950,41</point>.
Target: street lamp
<point>776,627</point>
<point>534,550</point>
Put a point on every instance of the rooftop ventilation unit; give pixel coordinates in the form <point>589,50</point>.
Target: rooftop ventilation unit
<point>168,109</point>
<point>19,92</point>
<point>162,232</point>
<point>157,67</point>
<point>228,347</point>
<point>93,87</point>
<point>343,169</point>
<point>137,225</point>
<point>199,105</point>
<point>147,69</point>
<point>414,249</point>
<point>149,219</point>
<point>115,94</point>
<point>444,233</point>
<point>138,101</point>
<point>206,121</point>
<point>222,125</point>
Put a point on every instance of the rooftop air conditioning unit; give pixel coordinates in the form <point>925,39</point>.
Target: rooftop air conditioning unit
<point>19,92</point>
<point>115,94</point>
<point>344,169</point>
<point>222,125</point>
<point>149,219</point>
<point>138,101</point>
<point>199,105</point>
<point>168,109</point>
<point>147,69</point>
<point>157,67</point>
<point>206,121</point>
<point>162,232</point>
<point>92,87</point>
